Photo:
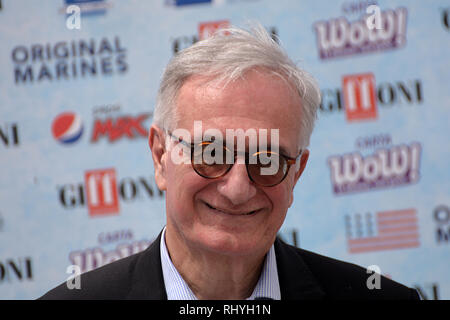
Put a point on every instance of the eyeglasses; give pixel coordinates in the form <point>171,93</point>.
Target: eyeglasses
<point>211,160</point>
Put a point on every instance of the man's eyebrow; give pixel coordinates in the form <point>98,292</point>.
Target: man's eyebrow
<point>282,150</point>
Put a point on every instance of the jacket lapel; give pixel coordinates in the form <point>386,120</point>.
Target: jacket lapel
<point>296,280</point>
<point>147,278</point>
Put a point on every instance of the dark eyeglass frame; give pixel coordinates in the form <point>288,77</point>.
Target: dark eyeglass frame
<point>289,161</point>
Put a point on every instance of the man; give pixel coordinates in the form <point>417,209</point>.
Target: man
<point>232,123</point>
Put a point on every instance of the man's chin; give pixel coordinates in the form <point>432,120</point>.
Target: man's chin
<point>226,243</point>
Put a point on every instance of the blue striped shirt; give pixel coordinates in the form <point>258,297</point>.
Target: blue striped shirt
<point>268,285</point>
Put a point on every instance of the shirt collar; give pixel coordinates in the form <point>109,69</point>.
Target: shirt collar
<point>268,286</point>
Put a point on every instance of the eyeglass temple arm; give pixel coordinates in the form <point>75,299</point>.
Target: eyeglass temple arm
<point>179,139</point>
<point>292,161</point>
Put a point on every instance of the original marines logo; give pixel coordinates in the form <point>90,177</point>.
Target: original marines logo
<point>386,167</point>
<point>65,60</point>
<point>339,37</point>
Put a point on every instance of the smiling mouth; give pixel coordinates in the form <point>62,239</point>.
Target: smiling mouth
<point>230,213</point>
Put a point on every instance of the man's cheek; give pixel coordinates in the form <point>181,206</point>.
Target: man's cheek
<point>290,187</point>
<point>291,198</point>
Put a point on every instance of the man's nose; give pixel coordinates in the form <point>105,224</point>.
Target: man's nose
<point>236,185</point>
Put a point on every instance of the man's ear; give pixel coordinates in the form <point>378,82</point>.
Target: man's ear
<point>303,160</point>
<point>299,170</point>
<point>156,141</point>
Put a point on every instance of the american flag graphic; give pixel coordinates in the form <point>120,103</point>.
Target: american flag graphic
<point>393,230</point>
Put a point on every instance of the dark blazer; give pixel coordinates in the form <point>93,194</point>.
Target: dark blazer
<point>302,275</point>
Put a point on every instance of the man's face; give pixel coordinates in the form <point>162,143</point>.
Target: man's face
<point>213,214</point>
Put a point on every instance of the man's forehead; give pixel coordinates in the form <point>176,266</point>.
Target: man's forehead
<point>260,101</point>
<point>255,85</point>
<point>259,98</point>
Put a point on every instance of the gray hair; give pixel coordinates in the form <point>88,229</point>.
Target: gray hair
<point>227,56</point>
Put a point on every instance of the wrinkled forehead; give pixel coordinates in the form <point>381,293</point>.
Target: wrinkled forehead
<point>259,101</point>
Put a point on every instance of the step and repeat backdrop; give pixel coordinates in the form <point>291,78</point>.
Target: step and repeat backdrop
<point>78,84</point>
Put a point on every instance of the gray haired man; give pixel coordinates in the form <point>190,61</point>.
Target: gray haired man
<point>223,209</point>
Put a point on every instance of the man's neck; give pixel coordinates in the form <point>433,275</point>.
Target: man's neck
<point>214,276</point>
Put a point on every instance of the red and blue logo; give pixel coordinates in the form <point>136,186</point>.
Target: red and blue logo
<point>67,127</point>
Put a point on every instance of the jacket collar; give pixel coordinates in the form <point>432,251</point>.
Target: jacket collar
<point>147,278</point>
<point>296,280</point>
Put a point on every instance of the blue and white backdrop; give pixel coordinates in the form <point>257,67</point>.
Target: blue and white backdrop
<point>77,91</point>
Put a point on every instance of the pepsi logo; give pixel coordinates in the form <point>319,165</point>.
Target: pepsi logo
<point>67,127</point>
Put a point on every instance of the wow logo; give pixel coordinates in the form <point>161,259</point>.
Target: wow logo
<point>390,167</point>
